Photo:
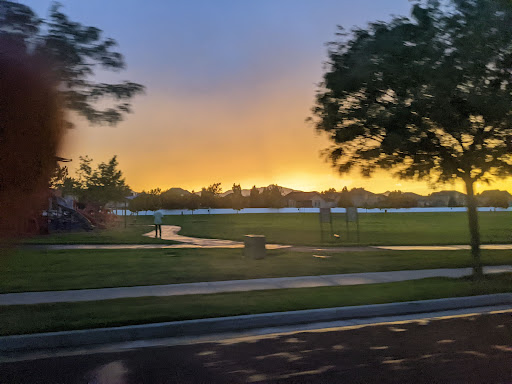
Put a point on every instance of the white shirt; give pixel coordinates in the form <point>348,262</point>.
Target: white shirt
<point>158,217</point>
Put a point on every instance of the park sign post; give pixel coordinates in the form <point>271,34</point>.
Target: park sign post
<point>325,217</point>
<point>352,216</point>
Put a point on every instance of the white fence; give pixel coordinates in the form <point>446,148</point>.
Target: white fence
<point>228,211</point>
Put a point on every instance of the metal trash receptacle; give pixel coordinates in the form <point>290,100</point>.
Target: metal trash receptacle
<point>254,246</point>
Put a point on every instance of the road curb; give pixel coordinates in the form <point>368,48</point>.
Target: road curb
<point>98,336</point>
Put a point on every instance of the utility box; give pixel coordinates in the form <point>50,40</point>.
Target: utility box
<point>254,247</point>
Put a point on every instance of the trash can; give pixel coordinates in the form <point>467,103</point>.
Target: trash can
<point>254,247</point>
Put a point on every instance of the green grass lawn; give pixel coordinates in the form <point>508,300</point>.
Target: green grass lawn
<point>375,228</point>
<point>20,319</point>
<point>129,235</point>
<point>39,270</point>
<point>304,229</point>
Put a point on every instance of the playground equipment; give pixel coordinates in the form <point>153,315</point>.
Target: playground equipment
<point>61,217</point>
<point>65,214</point>
<point>98,216</point>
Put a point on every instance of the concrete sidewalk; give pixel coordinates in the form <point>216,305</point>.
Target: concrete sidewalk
<point>24,298</point>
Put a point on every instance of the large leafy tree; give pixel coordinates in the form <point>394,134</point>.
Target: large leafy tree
<point>209,195</point>
<point>174,198</point>
<point>99,185</point>
<point>75,52</point>
<point>272,197</point>
<point>237,200</point>
<point>345,199</point>
<point>254,197</point>
<point>427,97</point>
<point>147,201</point>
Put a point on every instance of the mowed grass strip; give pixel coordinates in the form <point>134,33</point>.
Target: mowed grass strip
<point>39,270</point>
<point>375,228</point>
<point>132,234</point>
<point>22,319</point>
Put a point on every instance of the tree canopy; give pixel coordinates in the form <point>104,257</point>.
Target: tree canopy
<point>208,198</point>
<point>254,197</point>
<point>495,198</point>
<point>396,199</point>
<point>101,185</point>
<point>237,200</point>
<point>272,197</point>
<point>345,200</point>
<point>75,52</point>
<point>427,97</point>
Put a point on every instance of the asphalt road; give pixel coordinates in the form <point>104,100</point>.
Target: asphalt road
<point>471,349</point>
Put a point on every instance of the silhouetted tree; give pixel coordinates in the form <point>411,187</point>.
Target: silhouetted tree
<point>254,197</point>
<point>396,199</point>
<point>272,197</point>
<point>328,191</point>
<point>427,98</point>
<point>70,187</point>
<point>193,201</point>
<point>144,201</point>
<point>60,174</point>
<point>209,195</point>
<point>154,199</point>
<point>345,200</point>
<point>498,202</point>
<point>237,189</point>
<point>452,202</point>
<point>76,51</point>
<point>101,185</point>
<point>138,203</point>
<point>236,197</point>
<point>495,198</point>
<point>174,198</point>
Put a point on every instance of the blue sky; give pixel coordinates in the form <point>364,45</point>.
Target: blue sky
<point>201,45</point>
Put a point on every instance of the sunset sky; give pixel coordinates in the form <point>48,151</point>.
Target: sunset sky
<point>229,85</point>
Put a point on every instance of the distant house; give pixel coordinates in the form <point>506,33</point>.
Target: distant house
<point>423,201</point>
<point>494,198</point>
<point>329,202</point>
<point>419,200</point>
<point>365,199</point>
<point>443,198</point>
<point>331,196</point>
<point>308,200</point>
<point>122,204</point>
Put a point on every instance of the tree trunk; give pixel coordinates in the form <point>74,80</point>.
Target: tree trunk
<point>474,229</point>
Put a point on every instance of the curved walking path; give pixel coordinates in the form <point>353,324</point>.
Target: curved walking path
<point>57,247</point>
<point>170,232</point>
<point>237,285</point>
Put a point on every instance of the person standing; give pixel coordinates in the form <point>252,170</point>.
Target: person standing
<point>158,222</point>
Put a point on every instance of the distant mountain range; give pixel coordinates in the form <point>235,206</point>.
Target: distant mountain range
<point>358,197</point>
<point>245,192</point>
<point>438,195</point>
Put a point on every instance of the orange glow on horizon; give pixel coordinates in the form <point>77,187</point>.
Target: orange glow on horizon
<point>168,143</point>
